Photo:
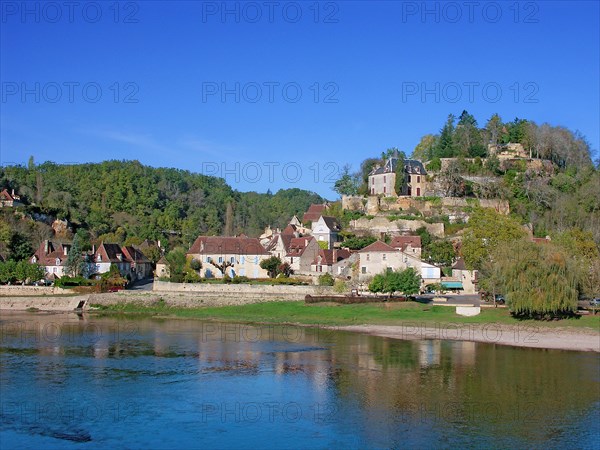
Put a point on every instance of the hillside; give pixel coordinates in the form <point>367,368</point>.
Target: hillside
<point>120,201</point>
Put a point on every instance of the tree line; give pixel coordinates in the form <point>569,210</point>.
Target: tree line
<point>126,202</point>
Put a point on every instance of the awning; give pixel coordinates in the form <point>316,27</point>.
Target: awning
<point>452,284</point>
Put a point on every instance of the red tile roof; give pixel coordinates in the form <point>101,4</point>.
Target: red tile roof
<point>48,255</point>
<point>378,246</point>
<point>313,213</point>
<point>132,254</point>
<point>330,257</point>
<point>298,245</point>
<point>226,245</point>
<point>402,242</point>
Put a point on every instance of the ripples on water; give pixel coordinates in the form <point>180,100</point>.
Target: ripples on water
<point>91,382</point>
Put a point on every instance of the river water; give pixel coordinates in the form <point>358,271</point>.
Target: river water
<point>69,381</point>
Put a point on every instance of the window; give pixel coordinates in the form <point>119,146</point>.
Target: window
<point>242,260</point>
<point>418,179</point>
<point>372,191</point>
<point>292,260</point>
<point>98,258</point>
<point>220,260</point>
<point>384,257</point>
<point>384,178</point>
<point>384,189</point>
<point>418,192</point>
<point>368,257</point>
<point>232,260</point>
<point>363,269</point>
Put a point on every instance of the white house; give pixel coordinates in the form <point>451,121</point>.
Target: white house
<point>326,229</point>
<point>235,256</point>
<point>379,257</point>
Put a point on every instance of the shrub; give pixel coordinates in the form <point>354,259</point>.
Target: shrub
<point>340,286</point>
<point>326,280</point>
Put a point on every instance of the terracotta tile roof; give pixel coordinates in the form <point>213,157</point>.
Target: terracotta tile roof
<point>211,245</point>
<point>330,257</point>
<point>298,245</point>
<point>313,213</point>
<point>290,229</point>
<point>49,252</point>
<point>132,254</point>
<point>378,246</point>
<point>109,253</point>
<point>401,242</point>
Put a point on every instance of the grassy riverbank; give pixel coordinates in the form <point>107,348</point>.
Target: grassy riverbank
<point>334,314</point>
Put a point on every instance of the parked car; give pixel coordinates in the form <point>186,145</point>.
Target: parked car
<point>595,303</point>
<point>500,299</point>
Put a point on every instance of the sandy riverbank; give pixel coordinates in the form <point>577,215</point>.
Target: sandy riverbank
<point>585,340</point>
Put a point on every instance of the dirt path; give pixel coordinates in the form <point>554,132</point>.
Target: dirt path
<point>492,333</point>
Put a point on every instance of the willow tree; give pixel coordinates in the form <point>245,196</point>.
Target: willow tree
<point>538,281</point>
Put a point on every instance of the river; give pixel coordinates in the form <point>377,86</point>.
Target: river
<point>69,381</point>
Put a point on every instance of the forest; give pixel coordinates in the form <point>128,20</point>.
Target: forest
<point>127,202</point>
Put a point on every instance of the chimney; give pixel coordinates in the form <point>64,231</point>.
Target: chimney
<point>94,248</point>
<point>13,193</point>
<point>65,250</point>
<point>46,245</point>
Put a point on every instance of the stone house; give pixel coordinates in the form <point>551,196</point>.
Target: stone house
<point>140,266</point>
<point>379,257</point>
<point>162,268</point>
<point>408,244</point>
<point>301,252</point>
<point>382,179</point>
<point>52,257</point>
<point>326,259</point>
<point>106,255</point>
<point>326,229</point>
<point>9,199</point>
<point>467,278</point>
<point>235,256</point>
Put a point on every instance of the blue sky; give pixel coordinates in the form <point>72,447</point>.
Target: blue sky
<point>284,94</point>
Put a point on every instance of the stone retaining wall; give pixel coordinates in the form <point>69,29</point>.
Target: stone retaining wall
<point>18,290</point>
<point>43,303</point>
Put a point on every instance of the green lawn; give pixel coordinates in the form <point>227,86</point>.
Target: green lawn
<point>334,314</point>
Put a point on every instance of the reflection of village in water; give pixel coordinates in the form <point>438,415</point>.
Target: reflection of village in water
<point>377,380</point>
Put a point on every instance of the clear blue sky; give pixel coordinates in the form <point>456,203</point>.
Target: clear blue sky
<point>161,68</point>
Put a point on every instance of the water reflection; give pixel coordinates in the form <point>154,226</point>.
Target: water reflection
<point>147,382</point>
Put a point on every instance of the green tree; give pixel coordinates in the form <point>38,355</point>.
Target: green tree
<point>176,260</point>
<point>440,252</point>
<point>407,282</point>
<point>538,281</point>
<point>424,151</point>
<point>445,147</point>
<point>19,247</point>
<point>271,265</point>
<point>75,265</point>
<point>326,280</point>
<point>487,230</point>
<point>400,173</point>
<point>348,183</point>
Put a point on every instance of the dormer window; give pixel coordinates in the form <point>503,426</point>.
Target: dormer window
<point>99,258</point>
<point>58,261</point>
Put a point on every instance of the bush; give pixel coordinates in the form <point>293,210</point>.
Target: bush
<point>66,282</point>
<point>340,286</point>
<point>240,280</point>
<point>326,280</point>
